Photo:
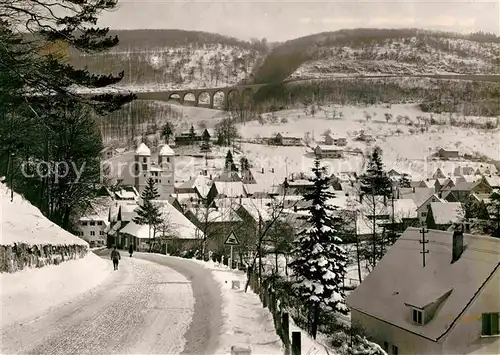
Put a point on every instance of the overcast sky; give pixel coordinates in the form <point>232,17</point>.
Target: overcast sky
<point>280,20</point>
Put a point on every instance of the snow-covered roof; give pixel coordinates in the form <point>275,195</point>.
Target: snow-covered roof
<point>387,288</point>
<point>185,197</point>
<point>142,149</point>
<point>418,194</point>
<point>328,148</point>
<point>230,189</point>
<point>447,212</point>
<point>215,215</point>
<point>21,222</point>
<point>126,194</point>
<point>179,226</point>
<point>166,151</point>
<point>127,211</point>
<point>262,207</point>
<point>494,180</point>
<point>261,187</point>
<point>202,184</point>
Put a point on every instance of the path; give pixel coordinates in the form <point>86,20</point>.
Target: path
<point>143,308</point>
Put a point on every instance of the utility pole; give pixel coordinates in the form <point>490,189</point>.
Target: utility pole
<point>423,231</point>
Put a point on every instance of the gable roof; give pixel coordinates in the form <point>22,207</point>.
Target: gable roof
<point>166,151</point>
<point>142,149</point>
<point>420,195</point>
<point>387,288</point>
<point>447,212</point>
<point>230,188</point>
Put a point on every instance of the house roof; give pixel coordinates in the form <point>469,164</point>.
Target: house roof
<point>420,195</point>
<point>288,136</point>
<point>230,189</point>
<point>215,215</point>
<point>447,212</point>
<point>142,149</point>
<point>178,225</point>
<point>126,194</point>
<point>127,211</point>
<point>387,288</point>
<point>166,151</point>
<point>464,170</point>
<point>328,148</point>
<point>493,180</point>
<point>262,207</point>
<point>261,187</point>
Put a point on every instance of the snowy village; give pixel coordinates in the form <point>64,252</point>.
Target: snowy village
<point>336,191</point>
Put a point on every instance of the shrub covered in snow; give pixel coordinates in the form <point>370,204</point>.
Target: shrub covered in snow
<point>362,346</point>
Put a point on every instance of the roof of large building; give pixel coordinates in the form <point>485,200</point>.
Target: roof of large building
<point>142,149</point>
<point>166,151</point>
<point>400,279</point>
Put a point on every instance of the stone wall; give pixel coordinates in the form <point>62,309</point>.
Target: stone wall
<point>20,256</point>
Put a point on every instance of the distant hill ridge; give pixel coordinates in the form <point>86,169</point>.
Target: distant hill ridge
<point>284,60</point>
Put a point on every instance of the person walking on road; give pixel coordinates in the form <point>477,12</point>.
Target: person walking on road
<point>115,256</point>
<point>130,250</point>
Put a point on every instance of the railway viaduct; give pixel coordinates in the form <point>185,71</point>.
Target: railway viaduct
<point>241,90</point>
<point>167,95</point>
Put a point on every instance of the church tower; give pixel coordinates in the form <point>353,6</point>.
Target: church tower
<point>142,166</point>
<point>167,176</point>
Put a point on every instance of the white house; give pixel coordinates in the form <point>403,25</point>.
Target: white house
<point>325,151</point>
<point>287,139</point>
<point>94,224</point>
<point>449,306</point>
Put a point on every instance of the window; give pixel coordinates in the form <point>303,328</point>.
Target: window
<point>144,166</point>
<point>99,223</point>
<point>490,324</point>
<point>394,350</point>
<point>156,180</point>
<point>101,232</point>
<point>386,346</point>
<point>423,214</point>
<point>92,223</point>
<point>92,233</point>
<point>168,160</point>
<point>417,316</point>
<point>84,223</point>
<point>144,160</point>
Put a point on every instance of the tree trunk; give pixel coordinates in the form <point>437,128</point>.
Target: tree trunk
<point>315,320</point>
<point>149,235</point>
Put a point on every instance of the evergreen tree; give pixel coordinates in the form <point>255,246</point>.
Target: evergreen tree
<point>192,134</point>
<point>404,181</point>
<point>375,180</point>
<point>374,184</point>
<point>229,160</point>
<point>167,132</point>
<point>245,164</point>
<point>482,211</point>
<point>206,136</point>
<point>320,260</point>
<point>148,213</point>
<point>495,213</point>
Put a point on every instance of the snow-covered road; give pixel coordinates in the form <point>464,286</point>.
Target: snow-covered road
<point>143,308</point>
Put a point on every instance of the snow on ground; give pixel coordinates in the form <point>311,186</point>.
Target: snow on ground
<point>247,322</point>
<point>405,151</point>
<point>24,223</point>
<point>31,292</point>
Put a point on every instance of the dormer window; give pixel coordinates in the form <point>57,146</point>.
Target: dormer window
<point>417,316</point>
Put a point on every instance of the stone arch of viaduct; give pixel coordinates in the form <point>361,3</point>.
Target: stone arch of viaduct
<point>168,95</point>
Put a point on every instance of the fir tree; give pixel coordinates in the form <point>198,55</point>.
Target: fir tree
<point>375,180</point>
<point>375,183</point>
<point>229,160</point>
<point>404,181</point>
<point>320,260</point>
<point>148,213</point>
<point>167,132</point>
<point>245,164</point>
<point>192,134</point>
<point>206,136</point>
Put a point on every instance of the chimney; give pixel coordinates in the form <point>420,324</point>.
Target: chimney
<point>458,245</point>
<point>294,208</point>
<point>262,170</point>
<point>413,189</point>
<point>210,176</point>
<point>272,170</point>
<point>440,194</point>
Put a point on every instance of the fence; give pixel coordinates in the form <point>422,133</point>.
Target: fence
<point>292,342</point>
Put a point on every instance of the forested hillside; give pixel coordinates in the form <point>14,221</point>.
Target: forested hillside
<point>380,51</point>
<point>176,59</point>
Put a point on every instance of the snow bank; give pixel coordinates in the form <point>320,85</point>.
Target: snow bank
<point>24,223</point>
<point>31,292</point>
<point>247,323</point>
